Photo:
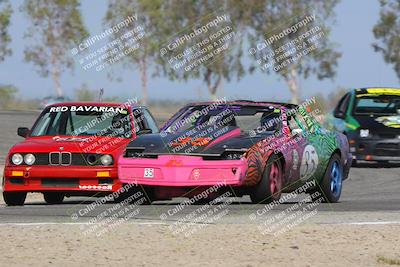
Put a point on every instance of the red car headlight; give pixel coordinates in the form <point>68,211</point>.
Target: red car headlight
<point>106,160</point>
<point>29,159</point>
<point>17,159</point>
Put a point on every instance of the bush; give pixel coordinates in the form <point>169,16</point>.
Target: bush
<point>85,94</point>
<point>7,95</point>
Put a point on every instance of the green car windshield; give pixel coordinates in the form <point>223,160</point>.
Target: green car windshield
<point>377,105</point>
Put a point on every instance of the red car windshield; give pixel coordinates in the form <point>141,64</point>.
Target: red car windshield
<point>83,121</point>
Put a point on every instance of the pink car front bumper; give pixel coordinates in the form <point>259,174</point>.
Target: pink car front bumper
<point>177,170</point>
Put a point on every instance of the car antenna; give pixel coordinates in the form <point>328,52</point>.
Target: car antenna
<point>101,94</point>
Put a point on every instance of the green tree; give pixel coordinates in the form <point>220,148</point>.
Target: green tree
<point>335,96</point>
<point>56,27</point>
<point>5,39</point>
<point>115,99</point>
<point>387,33</point>
<point>85,94</point>
<point>273,16</point>
<point>182,17</point>
<point>321,102</point>
<point>7,95</point>
<point>147,12</point>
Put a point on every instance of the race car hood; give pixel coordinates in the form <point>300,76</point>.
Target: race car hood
<point>44,144</point>
<point>232,139</point>
<point>380,124</point>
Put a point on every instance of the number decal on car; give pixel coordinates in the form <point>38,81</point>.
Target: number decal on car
<point>148,172</point>
<point>309,162</point>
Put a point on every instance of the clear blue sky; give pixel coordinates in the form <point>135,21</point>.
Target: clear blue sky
<point>359,66</point>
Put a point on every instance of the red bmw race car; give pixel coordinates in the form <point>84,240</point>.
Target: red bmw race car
<point>72,149</point>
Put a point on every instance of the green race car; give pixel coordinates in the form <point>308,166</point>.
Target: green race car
<point>370,118</point>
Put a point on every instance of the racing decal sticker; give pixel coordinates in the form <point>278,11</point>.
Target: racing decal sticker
<point>69,139</point>
<point>200,141</point>
<point>193,141</point>
<point>311,125</point>
<point>257,157</point>
<point>95,187</point>
<point>309,162</point>
<point>89,109</point>
<point>181,141</point>
<point>350,126</point>
<point>295,159</point>
<point>285,126</point>
<point>383,91</point>
<point>376,91</point>
<point>174,162</point>
<point>196,174</point>
<point>389,121</point>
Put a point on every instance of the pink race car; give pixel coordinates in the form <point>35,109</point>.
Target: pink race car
<point>247,148</point>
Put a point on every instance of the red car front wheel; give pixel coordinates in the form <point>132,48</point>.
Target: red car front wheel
<point>14,198</point>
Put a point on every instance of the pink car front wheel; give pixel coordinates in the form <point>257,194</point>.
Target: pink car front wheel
<point>270,186</point>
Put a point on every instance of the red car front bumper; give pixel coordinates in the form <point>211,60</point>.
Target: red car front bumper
<point>59,178</point>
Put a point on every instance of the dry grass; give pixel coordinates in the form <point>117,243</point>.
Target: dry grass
<point>384,260</point>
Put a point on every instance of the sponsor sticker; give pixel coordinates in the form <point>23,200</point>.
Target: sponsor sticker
<point>389,121</point>
<point>89,109</point>
<point>95,187</point>
<point>295,159</point>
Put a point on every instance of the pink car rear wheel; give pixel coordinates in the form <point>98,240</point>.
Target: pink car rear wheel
<point>53,197</point>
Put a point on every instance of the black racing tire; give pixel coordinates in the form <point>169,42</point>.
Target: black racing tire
<point>383,162</point>
<point>53,197</point>
<point>148,194</point>
<point>121,195</point>
<point>316,196</point>
<point>269,189</point>
<point>204,201</point>
<point>354,163</point>
<point>330,186</point>
<point>14,198</point>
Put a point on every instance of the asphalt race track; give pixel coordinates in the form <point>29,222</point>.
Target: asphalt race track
<point>370,196</point>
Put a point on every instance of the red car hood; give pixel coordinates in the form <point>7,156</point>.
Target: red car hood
<point>101,145</point>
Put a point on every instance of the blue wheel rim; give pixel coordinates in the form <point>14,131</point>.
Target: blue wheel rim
<point>336,179</point>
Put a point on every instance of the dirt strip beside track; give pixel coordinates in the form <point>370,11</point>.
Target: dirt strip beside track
<point>215,245</point>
